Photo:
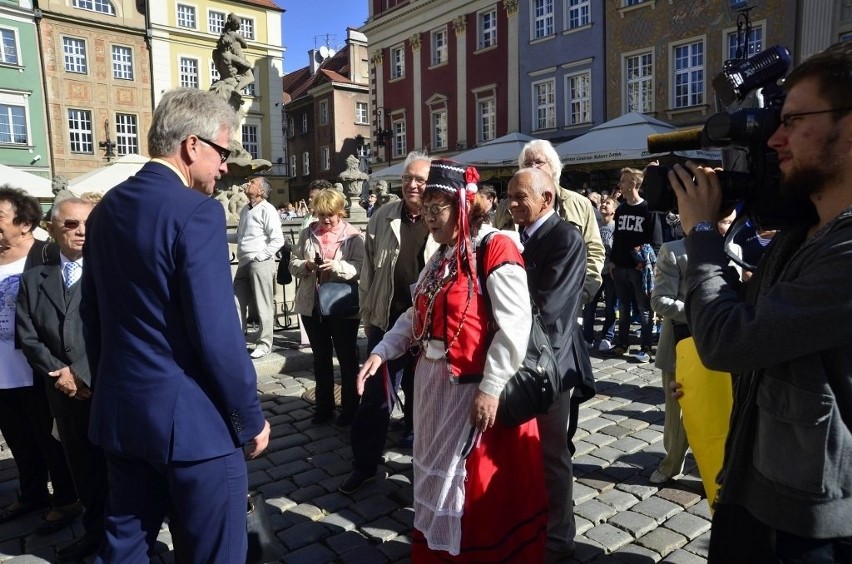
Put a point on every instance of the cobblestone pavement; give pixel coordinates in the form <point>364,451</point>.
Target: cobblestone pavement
<point>621,517</point>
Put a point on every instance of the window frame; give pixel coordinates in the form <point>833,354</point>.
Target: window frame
<point>547,19</point>
<point>122,66</point>
<point>440,52</point>
<point>184,83</point>
<point>486,38</point>
<point>396,60</point>
<point>106,7</point>
<point>182,16</point>
<point>24,108</point>
<point>125,138</point>
<point>731,34</point>
<point>440,131</point>
<point>692,90</point>
<point>581,101</point>
<point>305,122</point>
<point>548,107</point>
<point>77,136</point>
<point>359,118</point>
<point>4,56</point>
<point>247,28</point>
<point>481,116</point>
<point>639,80</point>
<point>250,137</point>
<point>323,112</point>
<point>584,20</point>
<point>292,170</point>
<point>306,163</point>
<point>209,21</point>
<point>325,158</point>
<point>74,59</point>
<point>398,137</point>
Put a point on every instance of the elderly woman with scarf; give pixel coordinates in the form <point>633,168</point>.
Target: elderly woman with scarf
<point>471,325</point>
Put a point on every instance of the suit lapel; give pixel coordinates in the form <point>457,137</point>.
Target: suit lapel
<point>53,286</point>
<point>539,235</point>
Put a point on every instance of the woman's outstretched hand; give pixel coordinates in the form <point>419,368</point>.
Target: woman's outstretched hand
<point>483,412</point>
<point>371,366</point>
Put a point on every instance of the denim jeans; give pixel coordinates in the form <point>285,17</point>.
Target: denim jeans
<point>628,287</point>
<point>607,291</point>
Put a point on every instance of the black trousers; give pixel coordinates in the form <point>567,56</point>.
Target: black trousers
<point>330,335</point>
<point>26,424</point>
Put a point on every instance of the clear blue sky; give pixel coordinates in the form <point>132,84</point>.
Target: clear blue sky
<point>306,23</point>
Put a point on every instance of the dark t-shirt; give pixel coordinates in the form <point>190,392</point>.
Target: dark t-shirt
<point>634,225</point>
<point>409,263</point>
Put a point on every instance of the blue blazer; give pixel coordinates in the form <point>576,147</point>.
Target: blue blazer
<point>171,377</point>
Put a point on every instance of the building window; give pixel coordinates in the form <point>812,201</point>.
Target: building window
<point>325,158</point>
<point>126,134</point>
<point>361,116</point>
<point>186,16</point>
<point>542,19</point>
<point>306,164</point>
<point>439,46</point>
<point>251,140</point>
<point>247,27</point>
<point>323,112</point>
<point>639,82</point>
<point>753,44</point>
<point>488,29</point>
<point>688,74</point>
<point>544,104</point>
<point>8,47</point>
<point>439,129</point>
<point>80,131</point>
<point>13,124</point>
<point>578,88</point>
<point>397,62</point>
<point>214,72</point>
<point>486,111</point>
<point>215,22</point>
<point>100,6</point>
<point>632,2</point>
<point>578,13</point>
<point>398,128</point>
<point>75,55</point>
<point>305,123</point>
<point>291,129</point>
<point>292,171</point>
<point>249,90</point>
<point>189,72</point>
<point>122,62</point>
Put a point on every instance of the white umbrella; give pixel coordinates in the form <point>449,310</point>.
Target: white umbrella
<point>35,186</point>
<point>624,138</point>
<point>104,178</point>
<point>499,152</point>
<point>393,172</point>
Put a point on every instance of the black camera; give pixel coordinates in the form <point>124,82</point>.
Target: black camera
<point>750,178</point>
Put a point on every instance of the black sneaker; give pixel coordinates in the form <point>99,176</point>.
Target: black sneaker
<point>322,418</point>
<point>618,350</point>
<point>354,481</point>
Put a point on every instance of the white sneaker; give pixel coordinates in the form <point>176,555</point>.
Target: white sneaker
<point>259,352</point>
<point>605,346</point>
<point>658,478</point>
<point>642,356</point>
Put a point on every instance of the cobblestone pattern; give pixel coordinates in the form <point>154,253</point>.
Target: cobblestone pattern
<point>621,517</point>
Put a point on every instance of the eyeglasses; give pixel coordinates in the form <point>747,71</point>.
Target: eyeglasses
<point>223,152</point>
<point>71,224</point>
<point>408,179</point>
<point>535,163</point>
<point>433,210</point>
<point>788,120</point>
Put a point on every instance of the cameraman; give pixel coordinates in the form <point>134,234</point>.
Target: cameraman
<point>786,484</point>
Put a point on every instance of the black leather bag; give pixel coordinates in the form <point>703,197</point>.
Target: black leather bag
<point>536,385</point>
<point>263,546</point>
<point>337,299</point>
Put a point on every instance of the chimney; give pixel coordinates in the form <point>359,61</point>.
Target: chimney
<point>315,60</point>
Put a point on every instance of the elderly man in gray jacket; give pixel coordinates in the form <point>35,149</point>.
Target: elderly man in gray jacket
<point>385,294</point>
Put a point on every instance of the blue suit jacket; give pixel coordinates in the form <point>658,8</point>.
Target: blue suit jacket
<point>171,377</point>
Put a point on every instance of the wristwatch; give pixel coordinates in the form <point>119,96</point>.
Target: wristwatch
<point>703,226</point>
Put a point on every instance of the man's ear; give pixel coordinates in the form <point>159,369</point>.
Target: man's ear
<point>190,147</point>
<point>548,198</point>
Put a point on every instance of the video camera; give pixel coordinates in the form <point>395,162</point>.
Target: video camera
<point>750,177</point>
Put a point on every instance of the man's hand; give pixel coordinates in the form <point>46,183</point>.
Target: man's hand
<point>84,392</point>
<point>260,442</point>
<point>65,381</point>
<point>697,200</point>
<point>483,412</point>
<point>371,366</point>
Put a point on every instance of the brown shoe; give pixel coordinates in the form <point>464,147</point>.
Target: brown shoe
<point>59,517</point>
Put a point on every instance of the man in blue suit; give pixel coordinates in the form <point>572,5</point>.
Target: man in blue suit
<point>175,395</point>
<point>555,259</point>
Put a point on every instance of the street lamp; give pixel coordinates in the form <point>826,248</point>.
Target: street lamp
<point>383,134</point>
<point>108,146</point>
<point>743,28</point>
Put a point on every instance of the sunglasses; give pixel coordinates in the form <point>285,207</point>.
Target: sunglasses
<point>223,152</point>
<point>71,224</point>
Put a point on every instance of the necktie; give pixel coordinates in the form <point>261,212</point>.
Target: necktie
<point>524,237</point>
<point>71,271</point>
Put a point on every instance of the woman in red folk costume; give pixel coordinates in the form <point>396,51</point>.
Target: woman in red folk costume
<point>478,485</point>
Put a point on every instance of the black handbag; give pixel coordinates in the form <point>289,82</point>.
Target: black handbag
<point>263,546</point>
<point>337,299</point>
<point>536,385</point>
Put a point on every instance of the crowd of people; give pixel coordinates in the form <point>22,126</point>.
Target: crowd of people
<point>109,332</point>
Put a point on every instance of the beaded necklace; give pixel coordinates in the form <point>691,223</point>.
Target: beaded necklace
<point>430,286</point>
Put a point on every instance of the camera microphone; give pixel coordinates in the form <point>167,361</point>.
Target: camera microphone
<point>685,140</point>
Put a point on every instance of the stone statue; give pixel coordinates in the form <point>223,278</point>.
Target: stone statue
<point>235,71</point>
<point>382,194</point>
<point>352,179</point>
<point>59,187</point>
<point>339,187</point>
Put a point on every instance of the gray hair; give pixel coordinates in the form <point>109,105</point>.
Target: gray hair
<point>54,210</point>
<point>188,111</point>
<point>415,156</point>
<point>544,148</point>
<point>264,185</point>
<point>541,182</point>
